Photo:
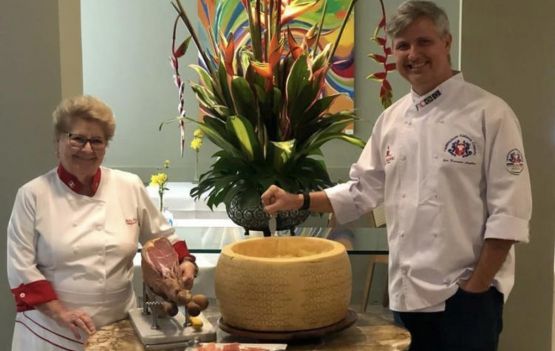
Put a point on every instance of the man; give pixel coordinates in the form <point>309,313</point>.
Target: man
<point>448,162</point>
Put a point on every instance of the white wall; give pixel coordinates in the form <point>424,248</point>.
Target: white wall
<point>508,48</point>
<point>30,88</point>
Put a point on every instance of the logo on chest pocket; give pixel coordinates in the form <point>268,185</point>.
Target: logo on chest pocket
<point>460,149</point>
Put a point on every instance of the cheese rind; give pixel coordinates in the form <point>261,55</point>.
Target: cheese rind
<point>283,283</point>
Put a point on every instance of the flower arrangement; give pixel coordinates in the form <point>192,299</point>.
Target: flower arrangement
<point>262,102</point>
<point>159,180</point>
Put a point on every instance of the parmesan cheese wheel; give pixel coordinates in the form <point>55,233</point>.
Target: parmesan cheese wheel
<point>283,283</point>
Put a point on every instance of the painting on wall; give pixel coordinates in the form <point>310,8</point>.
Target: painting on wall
<point>225,17</point>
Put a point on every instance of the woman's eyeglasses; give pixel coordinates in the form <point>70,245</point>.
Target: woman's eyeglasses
<point>78,141</point>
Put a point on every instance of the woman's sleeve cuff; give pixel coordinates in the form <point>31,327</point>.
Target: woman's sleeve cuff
<point>183,252</point>
<point>27,296</point>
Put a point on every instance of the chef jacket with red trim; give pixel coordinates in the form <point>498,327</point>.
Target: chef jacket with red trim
<point>63,244</point>
<point>451,171</point>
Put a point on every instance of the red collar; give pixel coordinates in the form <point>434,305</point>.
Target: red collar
<point>74,184</point>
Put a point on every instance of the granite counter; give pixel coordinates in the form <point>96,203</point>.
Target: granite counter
<point>371,332</point>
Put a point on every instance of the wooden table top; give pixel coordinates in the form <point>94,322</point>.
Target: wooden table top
<point>371,332</point>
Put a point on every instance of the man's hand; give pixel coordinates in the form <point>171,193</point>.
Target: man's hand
<point>73,319</point>
<point>276,199</point>
<point>493,255</point>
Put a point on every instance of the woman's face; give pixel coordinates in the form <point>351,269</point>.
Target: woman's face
<point>82,149</point>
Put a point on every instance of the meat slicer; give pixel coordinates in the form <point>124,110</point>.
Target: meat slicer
<point>169,316</point>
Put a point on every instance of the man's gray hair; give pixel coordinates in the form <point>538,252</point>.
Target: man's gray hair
<point>411,10</point>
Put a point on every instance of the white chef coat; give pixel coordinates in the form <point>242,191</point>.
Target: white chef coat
<point>84,246</point>
<point>450,169</point>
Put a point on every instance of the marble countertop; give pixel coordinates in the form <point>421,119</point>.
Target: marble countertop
<point>370,332</point>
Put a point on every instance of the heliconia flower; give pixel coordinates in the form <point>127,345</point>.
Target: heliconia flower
<point>229,54</point>
<point>294,9</point>
<point>295,49</point>
<point>309,38</point>
<point>263,69</point>
<point>276,49</point>
<point>196,144</point>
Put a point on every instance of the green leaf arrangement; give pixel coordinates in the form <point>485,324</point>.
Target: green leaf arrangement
<point>262,103</point>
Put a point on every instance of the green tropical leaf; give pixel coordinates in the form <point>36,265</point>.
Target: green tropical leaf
<point>244,99</point>
<point>280,152</point>
<point>321,59</point>
<point>220,81</point>
<point>298,78</point>
<point>244,131</point>
<point>351,139</point>
<point>296,108</point>
<point>217,138</point>
<point>204,76</point>
<point>205,96</point>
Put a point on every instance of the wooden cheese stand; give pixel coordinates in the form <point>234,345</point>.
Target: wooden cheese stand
<point>371,332</point>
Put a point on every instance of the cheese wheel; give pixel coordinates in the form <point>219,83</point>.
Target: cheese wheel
<point>283,283</point>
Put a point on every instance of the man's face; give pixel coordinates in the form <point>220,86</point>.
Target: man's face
<point>422,55</point>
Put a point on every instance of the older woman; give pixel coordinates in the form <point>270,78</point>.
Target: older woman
<point>73,234</point>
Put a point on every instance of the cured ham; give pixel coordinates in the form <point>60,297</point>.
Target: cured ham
<point>161,271</point>
<point>162,274</point>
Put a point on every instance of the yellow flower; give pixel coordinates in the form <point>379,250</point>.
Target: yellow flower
<point>166,164</point>
<point>198,133</point>
<point>196,143</point>
<point>158,179</point>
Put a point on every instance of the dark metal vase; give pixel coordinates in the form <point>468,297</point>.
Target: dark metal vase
<point>255,218</point>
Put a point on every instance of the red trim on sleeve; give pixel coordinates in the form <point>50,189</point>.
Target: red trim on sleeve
<point>182,251</point>
<point>29,295</point>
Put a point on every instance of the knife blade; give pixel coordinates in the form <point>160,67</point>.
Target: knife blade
<point>272,224</point>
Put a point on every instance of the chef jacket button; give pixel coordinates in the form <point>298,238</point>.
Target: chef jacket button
<point>403,196</point>
<point>436,156</point>
<point>22,295</point>
<point>403,157</point>
<point>402,235</point>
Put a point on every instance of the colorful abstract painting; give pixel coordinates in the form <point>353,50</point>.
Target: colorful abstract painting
<point>229,17</point>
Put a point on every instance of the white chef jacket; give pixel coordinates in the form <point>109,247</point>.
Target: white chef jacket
<point>84,246</point>
<point>450,169</point>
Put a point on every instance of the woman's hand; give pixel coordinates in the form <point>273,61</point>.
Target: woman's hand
<point>73,319</point>
<point>188,273</point>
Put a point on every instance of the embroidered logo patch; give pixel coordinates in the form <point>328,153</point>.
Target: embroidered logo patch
<point>388,156</point>
<point>130,221</point>
<point>514,162</point>
<point>460,148</point>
